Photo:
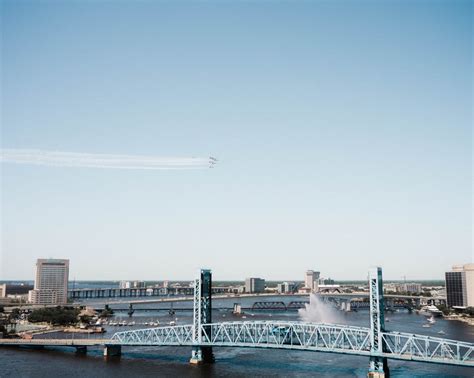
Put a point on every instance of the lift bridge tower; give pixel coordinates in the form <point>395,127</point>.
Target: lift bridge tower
<point>378,367</point>
<point>202,316</point>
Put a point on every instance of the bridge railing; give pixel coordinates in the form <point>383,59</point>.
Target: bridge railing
<point>426,348</point>
<point>309,336</point>
<point>172,335</point>
<point>306,336</point>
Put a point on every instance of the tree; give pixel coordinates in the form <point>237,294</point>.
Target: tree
<point>85,319</point>
<point>106,312</point>
<point>470,311</point>
<point>56,315</point>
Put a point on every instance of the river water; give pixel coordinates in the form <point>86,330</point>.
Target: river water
<point>230,362</point>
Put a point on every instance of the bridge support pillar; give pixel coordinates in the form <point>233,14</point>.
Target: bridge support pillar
<point>201,355</point>
<point>202,316</point>
<point>112,350</point>
<point>81,349</point>
<point>378,366</point>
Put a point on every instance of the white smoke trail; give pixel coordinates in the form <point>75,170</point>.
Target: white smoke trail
<point>87,160</point>
<point>319,312</point>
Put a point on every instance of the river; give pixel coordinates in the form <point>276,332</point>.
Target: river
<point>231,362</point>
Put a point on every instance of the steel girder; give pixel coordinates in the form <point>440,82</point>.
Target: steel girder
<point>306,336</point>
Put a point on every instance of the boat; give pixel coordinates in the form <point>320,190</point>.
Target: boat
<point>431,320</point>
<point>172,323</point>
<point>442,333</point>
<point>426,326</point>
<point>431,311</point>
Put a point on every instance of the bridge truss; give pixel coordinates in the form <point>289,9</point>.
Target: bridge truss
<point>202,335</point>
<point>306,336</point>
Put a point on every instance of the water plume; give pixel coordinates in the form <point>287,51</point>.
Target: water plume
<point>318,311</point>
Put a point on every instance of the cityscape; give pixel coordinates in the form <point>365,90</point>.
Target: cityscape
<point>30,313</point>
<point>52,286</point>
<point>236,189</point>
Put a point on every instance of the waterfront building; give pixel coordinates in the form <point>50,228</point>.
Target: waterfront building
<point>15,291</point>
<point>311,280</point>
<point>51,282</point>
<point>254,285</point>
<point>460,286</point>
<point>286,287</point>
<point>409,288</point>
<point>132,285</point>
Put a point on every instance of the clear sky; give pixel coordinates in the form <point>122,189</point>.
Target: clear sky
<point>343,130</point>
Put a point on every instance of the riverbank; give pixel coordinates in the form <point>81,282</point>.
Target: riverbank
<point>464,319</point>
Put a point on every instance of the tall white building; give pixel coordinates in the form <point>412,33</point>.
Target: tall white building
<point>51,282</point>
<point>460,286</point>
<point>311,280</point>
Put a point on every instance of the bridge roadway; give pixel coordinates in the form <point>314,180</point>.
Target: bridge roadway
<point>58,342</point>
<point>265,295</point>
<point>317,337</point>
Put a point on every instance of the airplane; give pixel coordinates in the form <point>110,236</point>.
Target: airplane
<point>212,161</point>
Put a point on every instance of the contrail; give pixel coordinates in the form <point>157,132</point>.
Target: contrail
<point>87,160</point>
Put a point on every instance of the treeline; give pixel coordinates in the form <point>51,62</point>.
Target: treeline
<point>55,315</point>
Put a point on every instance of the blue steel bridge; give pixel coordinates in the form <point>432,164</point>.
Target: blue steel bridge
<point>374,342</point>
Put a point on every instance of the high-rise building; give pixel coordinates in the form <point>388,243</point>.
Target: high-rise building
<point>287,287</point>
<point>51,282</point>
<point>311,280</point>
<point>254,285</point>
<point>460,286</point>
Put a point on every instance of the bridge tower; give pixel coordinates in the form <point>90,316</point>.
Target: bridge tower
<point>378,367</point>
<point>202,316</point>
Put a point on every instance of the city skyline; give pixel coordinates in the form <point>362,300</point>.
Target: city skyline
<point>344,138</point>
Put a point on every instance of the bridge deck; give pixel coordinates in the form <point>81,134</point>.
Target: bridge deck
<point>57,342</point>
<point>283,335</point>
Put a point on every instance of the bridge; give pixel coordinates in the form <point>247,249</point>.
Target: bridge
<point>306,336</point>
<point>203,335</point>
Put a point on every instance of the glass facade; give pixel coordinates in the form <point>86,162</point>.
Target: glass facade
<point>456,289</point>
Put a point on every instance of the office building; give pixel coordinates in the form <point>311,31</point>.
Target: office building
<point>311,280</point>
<point>254,285</point>
<point>287,287</point>
<point>51,282</point>
<point>16,291</point>
<point>132,285</point>
<point>460,286</point>
<point>409,288</point>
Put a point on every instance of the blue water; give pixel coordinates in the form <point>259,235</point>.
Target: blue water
<point>230,362</point>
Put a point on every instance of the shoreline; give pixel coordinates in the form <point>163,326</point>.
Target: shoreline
<point>464,319</point>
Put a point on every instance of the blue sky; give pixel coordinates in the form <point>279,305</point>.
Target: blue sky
<point>343,131</point>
